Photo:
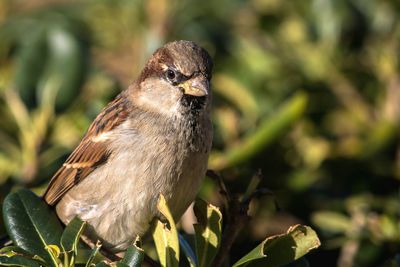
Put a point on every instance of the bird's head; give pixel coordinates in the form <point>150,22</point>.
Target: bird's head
<point>176,79</point>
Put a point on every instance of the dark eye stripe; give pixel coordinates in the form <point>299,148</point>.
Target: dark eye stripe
<point>175,77</point>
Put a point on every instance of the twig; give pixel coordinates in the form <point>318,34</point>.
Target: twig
<point>222,188</point>
<point>237,219</point>
<point>236,214</point>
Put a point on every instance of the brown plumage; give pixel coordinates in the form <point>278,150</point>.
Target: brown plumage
<point>89,154</point>
<point>153,138</point>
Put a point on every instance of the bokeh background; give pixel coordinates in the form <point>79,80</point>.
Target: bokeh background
<point>307,91</point>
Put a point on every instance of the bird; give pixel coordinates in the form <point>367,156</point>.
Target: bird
<point>153,138</point>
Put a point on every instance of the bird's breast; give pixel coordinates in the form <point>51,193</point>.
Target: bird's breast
<point>118,199</point>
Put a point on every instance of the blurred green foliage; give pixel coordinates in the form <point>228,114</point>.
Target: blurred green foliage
<point>308,91</point>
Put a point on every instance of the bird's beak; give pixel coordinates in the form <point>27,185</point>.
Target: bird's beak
<point>197,86</point>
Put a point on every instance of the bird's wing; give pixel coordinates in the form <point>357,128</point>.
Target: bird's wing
<point>91,152</point>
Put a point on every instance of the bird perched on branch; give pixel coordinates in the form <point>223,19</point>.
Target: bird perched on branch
<point>153,138</point>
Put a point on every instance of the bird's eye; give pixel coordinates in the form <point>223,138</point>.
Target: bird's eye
<point>171,75</point>
<point>174,76</point>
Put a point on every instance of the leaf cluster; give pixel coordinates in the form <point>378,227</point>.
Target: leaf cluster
<point>40,240</point>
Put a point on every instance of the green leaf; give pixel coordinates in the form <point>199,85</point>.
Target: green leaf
<point>70,239</point>
<point>282,249</point>
<point>19,261</point>
<point>50,60</point>
<point>270,129</point>
<point>64,71</point>
<point>133,256</point>
<point>331,221</point>
<point>254,182</point>
<point>70,236</point>
<point>88,257</point>
<point>54,250</point>
<point>207,232</point>
<point>30,61</point>
<point>10,251</point>
<point>31,224</point>
<point>165,237</point>
<point>92,255</point>
<point>102,264</point>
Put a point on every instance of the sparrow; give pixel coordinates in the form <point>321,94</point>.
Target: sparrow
<point>153,138</point>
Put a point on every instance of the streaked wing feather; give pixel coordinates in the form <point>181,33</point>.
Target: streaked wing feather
<point>90,153</point>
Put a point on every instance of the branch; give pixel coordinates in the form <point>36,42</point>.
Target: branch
<point>237,212</point>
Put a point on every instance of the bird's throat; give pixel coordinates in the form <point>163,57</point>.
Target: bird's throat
<point>193,103</point>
